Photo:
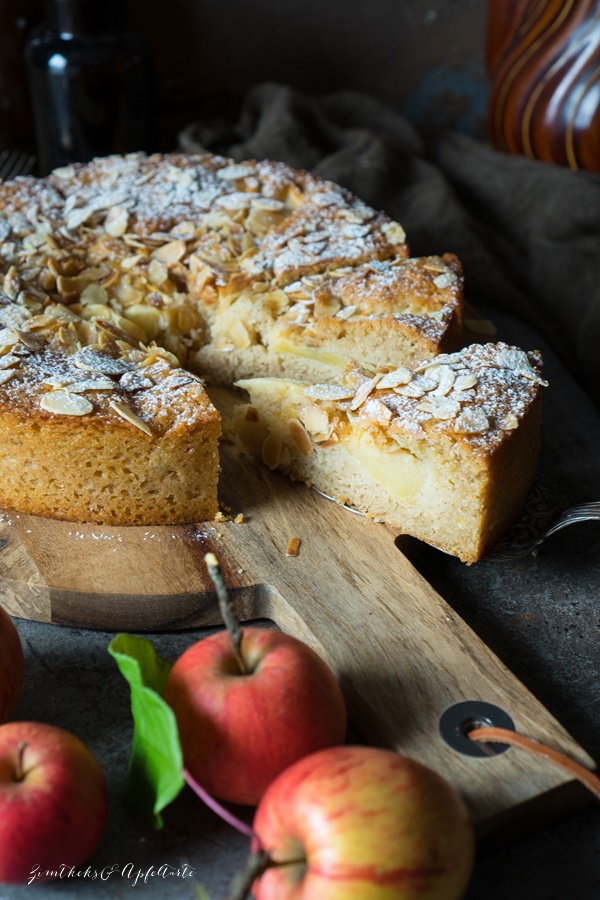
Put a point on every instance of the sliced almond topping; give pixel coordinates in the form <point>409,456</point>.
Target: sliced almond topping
<point>328,392</point>
<point>93,361</point>
<point>316,419</point>
<point>364,391</point>
<point>116,221</point>
<point>235,171</point>
<point>6,375</point>
<point>239,334</point>
<point>464,382</point>
<point>91,384</point>
<point>29,340</point>
<point>170,253</point>
<point>271,451</point>
<point>445,377</point>
<point>376,411</point>
<point>472,421</point>
<point>395,378</point>
<point>445,279</point>
<point>6,362</point>
<point>65,403</point>
<point>509,422</point>
<point>130,416</point>
<point>346,312</point>
<point>440,407</point>
<point>300,436</point>
<point>394,232</point>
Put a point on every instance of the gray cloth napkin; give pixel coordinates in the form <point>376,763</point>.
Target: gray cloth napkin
<point>528,233</point>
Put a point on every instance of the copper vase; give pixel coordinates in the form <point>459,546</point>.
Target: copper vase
<point>544,61</point>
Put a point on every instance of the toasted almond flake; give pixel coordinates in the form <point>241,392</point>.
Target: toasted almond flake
<point>363,392</point>
<point>271,451</point>
<point>293,546</point>
<point>518,361</point>
<point>394,232</point>
<point>440,407</point>
<point>509,422</point>
<point>445,279</point>
<point>116,221</point>
<point>130,416</point>
<point>29,340</point>
<point>91,384</point>
<point>6,375</point>
<point>66,404</point>
<point>376,411</point>
<point>464,382</point>
<point>135,381</point>
<point>394,379</point>
<point>346,312</point>
<point>170,253</point>
<point>328,392</point>
<point>267,203</point>
<point>472,420</point>
<point>445,377</point>
<point>6,362</point>
<point>300,436</point>
<point>235,171</point>
<point>413,389</point>
<point>8,338</point>
<point>89,360</point>
<point>57,381</point>
<point>316,419</point>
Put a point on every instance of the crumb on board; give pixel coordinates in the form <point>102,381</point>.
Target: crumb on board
<point>239,519</point>
<point>221,517</point>
<point>293,547</point>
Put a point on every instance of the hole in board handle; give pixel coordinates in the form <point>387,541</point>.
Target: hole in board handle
<point>460,719</point>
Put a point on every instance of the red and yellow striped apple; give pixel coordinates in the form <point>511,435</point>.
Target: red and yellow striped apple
<point>12,665</point>
<point>53,802</point>
<point>358,823</point>
<point>239,730</point>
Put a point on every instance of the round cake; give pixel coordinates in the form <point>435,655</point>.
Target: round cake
<point>128,281</point>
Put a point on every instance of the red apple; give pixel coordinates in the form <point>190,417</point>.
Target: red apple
<point>53,802</point>
<point>239,731</point>
<point>358,823</point>
<point>12,666</point>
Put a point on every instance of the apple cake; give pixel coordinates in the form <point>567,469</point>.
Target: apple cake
<point>121,277</point>
<point>445,450</point>
<point>126,281</point>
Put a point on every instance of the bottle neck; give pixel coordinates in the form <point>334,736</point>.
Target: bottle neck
<point>71,18</point>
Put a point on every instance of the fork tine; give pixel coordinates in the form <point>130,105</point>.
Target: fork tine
<point>14,163</point>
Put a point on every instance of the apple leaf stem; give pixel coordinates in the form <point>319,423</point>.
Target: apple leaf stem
<point>504,736</point>
<point>257,862</point>
<point>216,807</point>
<point>227,611</point>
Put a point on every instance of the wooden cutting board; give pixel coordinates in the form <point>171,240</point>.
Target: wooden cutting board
<point>402,655</point>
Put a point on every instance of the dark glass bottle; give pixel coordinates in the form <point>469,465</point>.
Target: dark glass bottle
<point>91,83</point>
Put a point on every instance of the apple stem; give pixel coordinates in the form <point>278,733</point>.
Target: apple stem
<point>20,754</point>
<point>257,862</point>
<point>227,611</point>
<point>217,808</point>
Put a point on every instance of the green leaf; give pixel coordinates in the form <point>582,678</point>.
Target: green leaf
<point>155,773</point>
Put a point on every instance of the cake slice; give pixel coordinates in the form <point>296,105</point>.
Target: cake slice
<point>445,450</point>
<point>93,429</point>
<point>395,311</point>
